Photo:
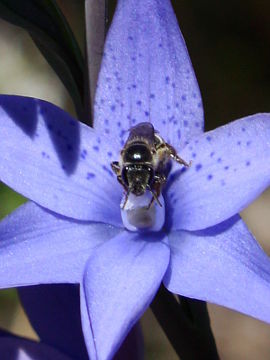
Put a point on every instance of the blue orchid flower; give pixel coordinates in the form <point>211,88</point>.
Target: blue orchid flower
<point>72,232</point>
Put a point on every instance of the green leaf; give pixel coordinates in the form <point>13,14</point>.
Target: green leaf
<point>51,33</point>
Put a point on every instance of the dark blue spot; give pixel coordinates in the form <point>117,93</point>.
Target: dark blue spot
<point>199,105</point>
<point>107,131</point>
<point>90,175</point>
<point>118,124</point>
<point>194,155</point>
<point>106,122</point>
<point>122,142</point>
<point>183,97</point>
<point>167,79</point>
<point>171,118</point>
<point>118,88</point>
<point>134,86</point>
<point>102,101</point>
<point>198,167</point>
<point>109,153</point>
<point>247,163</point>
<point>128,116</point>
<point>164,122</point>
<point>122,105</point>
<point>108,79</point>
<point>113,107</point>
<point>43,154</point>
<point>160,45</point>
<point>152,96</point>
<point>122,133</point>
<point>248,143</point>
<point>197,124</point>
<point>171,195</point>
<point>83,154</point>
<point>177,105</point>
<point>134,121</point>
<point>179,134</point>
<point>104,167</point>
<point>238,143</point>
<point>219,160</point>
<point>168,107</point>
<point>209,177</point>
<point>212,154</point>
<point>173,85</point>
<point>130,38</point>
<point>146,113</point>
<point>208,138</point>
<point>243,129</point>
<point>133,58</point>
<point>139,102</point>
<point>96,148</point>
<point>226,167</point>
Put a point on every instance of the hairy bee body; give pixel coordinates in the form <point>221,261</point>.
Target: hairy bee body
<point>144,162</point>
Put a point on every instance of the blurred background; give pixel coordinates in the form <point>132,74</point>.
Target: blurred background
<point>229,45</point>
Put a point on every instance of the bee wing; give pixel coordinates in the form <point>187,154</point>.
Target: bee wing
<point>144,131</point>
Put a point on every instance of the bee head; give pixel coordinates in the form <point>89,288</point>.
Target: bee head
<point>137,178</point>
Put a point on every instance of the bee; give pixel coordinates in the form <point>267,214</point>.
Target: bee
<point>145,162</point>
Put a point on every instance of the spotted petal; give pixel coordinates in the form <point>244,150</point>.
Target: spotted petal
<point>121,279</point>
<point>37,247</point>
<point>54,160</point>
<point>146,74</point>
<point>223,265</point>
<point>231,167</point>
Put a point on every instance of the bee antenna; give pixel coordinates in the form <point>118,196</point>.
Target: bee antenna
<point>154,195</point>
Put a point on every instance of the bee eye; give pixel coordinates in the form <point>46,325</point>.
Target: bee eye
<point>151,175</point>
<point>124,175</point>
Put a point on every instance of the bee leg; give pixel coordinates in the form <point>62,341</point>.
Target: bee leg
<point>175,156</point>
<point>126,199</point>
<point>116,167</point>
<point>159,181</point>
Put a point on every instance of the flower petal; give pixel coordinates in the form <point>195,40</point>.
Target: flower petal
<point>37,247</point>
<point>17,348</point>
<point>231,168</point>
<point>223,265</point>
<point>54,313</point>
<point>146,75</point>
<point>121,279</point>
<point>54,160</point>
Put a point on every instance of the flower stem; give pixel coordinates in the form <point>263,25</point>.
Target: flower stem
<point>186,325</point>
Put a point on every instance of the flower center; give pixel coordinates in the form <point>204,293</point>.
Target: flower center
<point>138,215</point>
